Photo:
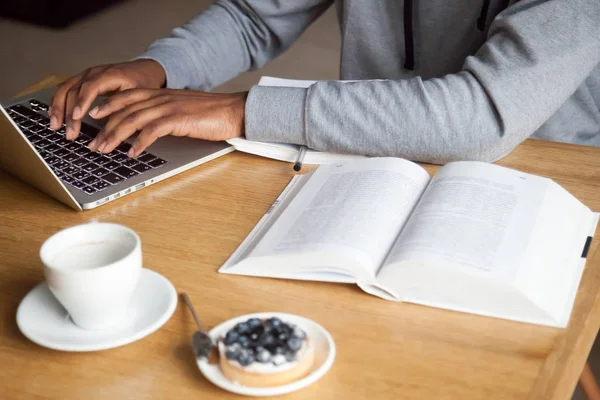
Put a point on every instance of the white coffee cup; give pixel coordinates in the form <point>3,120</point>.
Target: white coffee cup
<point>93,270</point>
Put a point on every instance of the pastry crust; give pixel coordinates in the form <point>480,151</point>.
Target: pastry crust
<point>244,377</point>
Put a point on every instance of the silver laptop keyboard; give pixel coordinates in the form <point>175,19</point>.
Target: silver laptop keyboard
<point>72,161</point>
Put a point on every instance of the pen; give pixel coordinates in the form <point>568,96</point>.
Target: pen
<point>300,159</point>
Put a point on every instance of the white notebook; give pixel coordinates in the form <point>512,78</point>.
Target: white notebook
<point>476,238</point>
<point>287,152</point>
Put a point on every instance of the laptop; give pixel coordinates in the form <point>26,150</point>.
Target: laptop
<point>76,176</point>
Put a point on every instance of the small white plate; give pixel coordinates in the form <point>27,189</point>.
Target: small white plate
<point>43,320</point>
<point>324,356</point>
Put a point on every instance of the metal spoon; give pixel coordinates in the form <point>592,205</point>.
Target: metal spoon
<point>202,344</point>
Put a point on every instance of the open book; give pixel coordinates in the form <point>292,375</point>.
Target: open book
<point>477,237</point>
<point>282,151</point>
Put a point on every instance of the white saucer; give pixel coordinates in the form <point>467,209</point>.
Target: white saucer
<point>43,320</point>
<point>324,356</point>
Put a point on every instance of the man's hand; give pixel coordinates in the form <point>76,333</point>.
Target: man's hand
<point>74,97</point>
<point>160,112</point>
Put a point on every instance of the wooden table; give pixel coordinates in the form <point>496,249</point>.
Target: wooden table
<point>191,223</point>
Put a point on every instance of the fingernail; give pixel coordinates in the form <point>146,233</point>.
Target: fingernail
<point>54,123</point>
<point>49,110</point>
<point>94,111</point>
<point>70,133</point>
<point>101,148</point>
<point>131,152</point>
<point>92,144</point>
<point>77,112</point>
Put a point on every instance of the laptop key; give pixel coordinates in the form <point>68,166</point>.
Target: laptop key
<point>132,162</point>
<point>145,158</point>
<point>79,175</point>
<point>90,180</point>
<point>82,151</point>
<point>113,178</point>
<point>124,147</point>
<point>89,190</point>
<point>141,168</point>
<point>70,157</point>
<point>68,179</point>
<point>89,130</point>
<point>100,172</point>
<point>37,117</point>
<point>91,156</point>
<point>52,147</point>
<point>60,165</point>
<point>18,119</point>
<point>73,146</point>
<point>36,128</point>
<point>53,137</point>
<point>27,124</point>
<point>62,142</point>
<point>111,165</point>
<point>51,160</point>
<point>80,162</point>
<point>42,143</point>
<point>102,160</point>
<point>78,184</point>
<point>99,186</point>
<point>125,172</point>
<point>34,138</point>
<point>44,132</point>
<point>120,157</point>
<point>89,167</point>
<point>60,174</point>
<point>21,109</point>
<point>70,170</point>
<point>61,152</point>
<point>159,162</point>
<point>82,139</point>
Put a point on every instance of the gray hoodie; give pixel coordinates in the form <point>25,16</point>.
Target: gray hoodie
<point>440,80</point>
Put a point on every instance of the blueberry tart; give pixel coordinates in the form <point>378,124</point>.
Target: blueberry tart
<point>265,353</point>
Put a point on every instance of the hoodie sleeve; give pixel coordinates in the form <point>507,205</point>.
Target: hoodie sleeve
<point>230,37</point>
<point>537,54</point>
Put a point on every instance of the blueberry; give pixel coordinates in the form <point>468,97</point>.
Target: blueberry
<point>289,356</point>
<point>278,350</point>
<point>282,337</point>
<point>242,328</point>
<point>254,337</point>
<point>263,355</point>
<point>274,322</point>
<point>294,344</point>
<point>299,333</point>
<point>245,358</point>
<point>267,340</point>
<point>232,353</point>
<point>254,323</point>
<point>231,337</point>
<point>244,341</point>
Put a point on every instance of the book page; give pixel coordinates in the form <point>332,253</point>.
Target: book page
<point>476,216</point>
<point>353,210</point>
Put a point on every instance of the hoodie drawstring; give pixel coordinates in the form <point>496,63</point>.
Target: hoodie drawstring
<point>483,15</point>
<point>409,40</point>
<point>484,12</point>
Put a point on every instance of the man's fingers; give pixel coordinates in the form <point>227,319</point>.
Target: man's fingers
<point>120,101</point>
<point>134,121</point>
<point>59,100</point>
<point>116,118</point>
<point>156,129</point>
<point>73,126</point>
<point>94,87</point>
